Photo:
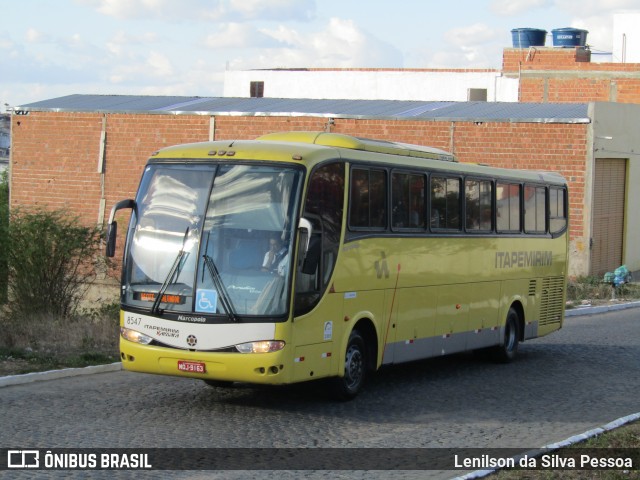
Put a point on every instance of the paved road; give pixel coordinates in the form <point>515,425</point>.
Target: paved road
<point>584,376</point>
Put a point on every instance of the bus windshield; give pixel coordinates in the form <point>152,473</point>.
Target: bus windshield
<point>212,240</point>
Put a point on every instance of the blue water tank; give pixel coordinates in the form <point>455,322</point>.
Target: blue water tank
<point>528,37</point>
<point>569,37</point>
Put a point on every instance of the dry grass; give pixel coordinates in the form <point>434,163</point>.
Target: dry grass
<point>592,291</point>
<point>626,437</point>
<point>44,342</point>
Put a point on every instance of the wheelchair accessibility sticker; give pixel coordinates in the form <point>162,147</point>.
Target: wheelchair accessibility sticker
<point>206,301</point>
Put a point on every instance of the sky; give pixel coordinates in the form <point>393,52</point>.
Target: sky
<point>52,48</point>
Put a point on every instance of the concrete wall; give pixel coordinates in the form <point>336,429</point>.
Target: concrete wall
<point>373,84</point>
<point>567,75</point>
<point>615,135</point>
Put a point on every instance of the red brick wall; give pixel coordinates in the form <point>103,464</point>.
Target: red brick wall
<point>246,128</point>
<point>566,75</point>
<point>55,162</point>
<point>131,138</point>
<point>541,58</point>
<point>55,155</point>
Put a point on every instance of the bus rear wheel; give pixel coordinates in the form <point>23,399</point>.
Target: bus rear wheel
<point>506,352</point>
<point>355,369</point>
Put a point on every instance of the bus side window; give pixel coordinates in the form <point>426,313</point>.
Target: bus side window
<point>324,207</point>
<point>507,207</point>
<point>478,200</point>
<point>535,211</point>
<point>445,203</point>
<point>407,198</point>
<point>557,209</point>
<point>368,209</point>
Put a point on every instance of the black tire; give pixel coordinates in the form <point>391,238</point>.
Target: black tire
<point>506,352</point>
<point>348,386</point>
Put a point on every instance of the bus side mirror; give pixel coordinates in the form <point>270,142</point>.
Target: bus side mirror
<point>112,225</point>
<point>112,233</point>
<point>306,230</point>
<point>312,258</point>
<point>310,247</point>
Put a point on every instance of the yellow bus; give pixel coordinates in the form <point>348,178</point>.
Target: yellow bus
<point>307,255</point>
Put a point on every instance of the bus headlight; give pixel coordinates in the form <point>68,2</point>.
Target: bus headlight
<point>265,346</point>
<point>134,336</point>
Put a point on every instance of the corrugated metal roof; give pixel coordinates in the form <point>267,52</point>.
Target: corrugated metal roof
<point>371,109</point>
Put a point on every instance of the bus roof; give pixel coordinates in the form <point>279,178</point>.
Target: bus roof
<point>313,147</point>
<point>355,143</point>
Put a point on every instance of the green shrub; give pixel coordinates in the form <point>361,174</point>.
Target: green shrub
<point>594,289</point>
<point>49,258</point>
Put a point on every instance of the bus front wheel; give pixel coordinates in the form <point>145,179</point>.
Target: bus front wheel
<point>507,351</point>
<point>355,369</point>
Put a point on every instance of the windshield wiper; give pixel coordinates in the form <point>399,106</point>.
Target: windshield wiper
<point>167,281</point>
<point>225,299</point>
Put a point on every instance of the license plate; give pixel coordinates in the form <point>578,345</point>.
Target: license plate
<point>191,367</point>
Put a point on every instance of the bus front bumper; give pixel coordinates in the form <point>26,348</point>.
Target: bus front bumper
<point>260,368</point>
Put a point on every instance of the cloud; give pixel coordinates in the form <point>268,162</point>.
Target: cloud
<point>472,35</point>
<point>39,39</point>
<point>122,42</point>
<point>42,58</point>
<point>205,10</point>
<point>516,7</point>
<point>34,36</point>
<point>239,35</point>
<point>600,29</point>
<point>280,10</point>
<point>6,43</point>
<point>126,38</point>
<point>597,18</point>
<point>592,8</point>
<point>196,79</point>
<point>23,67</point>
<point>152,68</point>
<point>159,65</point>
<point>155,75</point>
<point>145,9</point>
<point>464,57</point>
<point>472,46</point>
<point>340,44</point>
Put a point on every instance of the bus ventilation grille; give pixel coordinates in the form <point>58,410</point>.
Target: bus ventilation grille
<point>533,286</point>
<point>551,306</point>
